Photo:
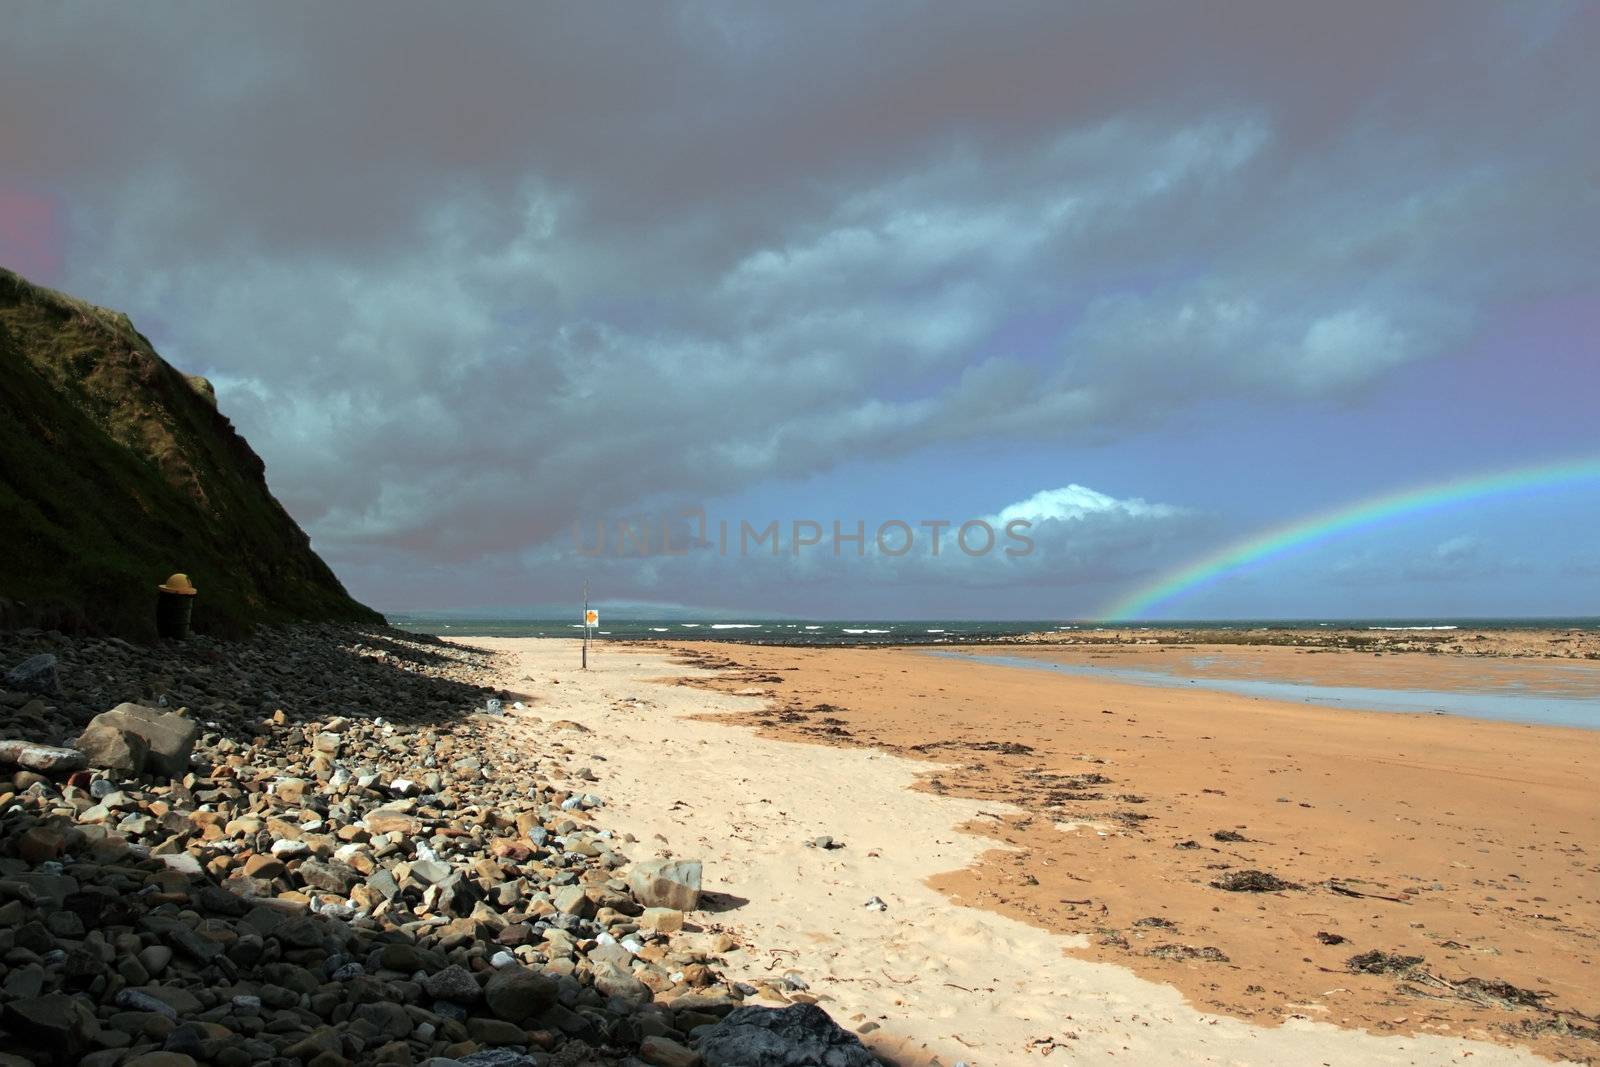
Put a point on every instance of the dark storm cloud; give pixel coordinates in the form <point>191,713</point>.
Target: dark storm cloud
<point>464,275</point>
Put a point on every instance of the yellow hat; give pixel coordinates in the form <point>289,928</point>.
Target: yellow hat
<point>180,584</point>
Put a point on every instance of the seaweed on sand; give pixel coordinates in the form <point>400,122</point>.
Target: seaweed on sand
<point>1252,881</point>
<point>1379,962</point>
<point>1208,954</point>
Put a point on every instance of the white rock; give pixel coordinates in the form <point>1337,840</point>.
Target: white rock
<point>182,862</point>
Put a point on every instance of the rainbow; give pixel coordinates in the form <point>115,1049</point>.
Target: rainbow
<point>1374,511</point>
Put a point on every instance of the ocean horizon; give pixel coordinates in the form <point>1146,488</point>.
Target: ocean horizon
<point>757,630</point>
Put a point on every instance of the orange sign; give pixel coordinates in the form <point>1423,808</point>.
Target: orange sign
<point>591,617</point>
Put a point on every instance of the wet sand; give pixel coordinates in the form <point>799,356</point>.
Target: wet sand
<point>1470,844</point>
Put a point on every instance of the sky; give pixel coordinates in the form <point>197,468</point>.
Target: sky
<point>480,281</point>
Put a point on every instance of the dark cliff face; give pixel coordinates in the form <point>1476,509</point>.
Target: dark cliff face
<point>117,470</point>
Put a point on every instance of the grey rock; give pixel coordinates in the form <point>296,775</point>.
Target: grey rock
<point>383,883</point>
<point>177,998</point>
<point>301,932</point>
<point>139,1000</point>
<point>162,1058</point>
<point>155,959</point>
<point>332,875</point>
<point>665,1052</point>
<point>454,983</point>
<point>183,863</point>
<point>36,674</point>
<point>801,1035</point>
<point>503,1057</point>
<point>488,1031</point>
<point>397,956</point>
<point>390,1020</point>
<point>114,749</point>
<point>187,1040</point>
<point>572,900</point>
<point>24,983</point>
<point>57,1022</point>
<point>623,987</point>
<point>47,759</point>
<point>430,871</point>
<point>666,883</point>
<point>516,994</point>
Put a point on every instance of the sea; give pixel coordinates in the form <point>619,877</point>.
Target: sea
<point>790,631</point>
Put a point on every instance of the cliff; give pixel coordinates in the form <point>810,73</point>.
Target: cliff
<point>117,470</point>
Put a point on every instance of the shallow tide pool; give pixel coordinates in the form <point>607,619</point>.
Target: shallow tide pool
<point>1521,705</point>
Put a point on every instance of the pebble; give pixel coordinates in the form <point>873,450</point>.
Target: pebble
<point>298,878</point>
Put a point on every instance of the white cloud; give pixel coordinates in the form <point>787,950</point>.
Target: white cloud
<point>1074,502</point>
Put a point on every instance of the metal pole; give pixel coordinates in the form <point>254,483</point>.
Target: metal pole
<point>585,624</point>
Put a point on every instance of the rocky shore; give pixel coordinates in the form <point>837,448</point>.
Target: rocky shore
<point>1489,641</point>
<point>328,846</point>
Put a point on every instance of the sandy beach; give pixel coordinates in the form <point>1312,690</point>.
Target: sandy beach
<point>1044,847</point>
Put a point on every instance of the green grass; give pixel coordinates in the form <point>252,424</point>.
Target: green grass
<point>116,470</point>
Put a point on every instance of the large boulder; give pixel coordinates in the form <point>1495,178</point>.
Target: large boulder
<point>36,674</point>
<point>666,884</point>
<point>114,749</point>
<point>168,736</point>
<point>801,1035</point>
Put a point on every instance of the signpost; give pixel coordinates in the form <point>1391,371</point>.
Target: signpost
<point>590,618</point>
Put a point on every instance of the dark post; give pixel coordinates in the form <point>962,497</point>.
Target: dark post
<point>174,606</point>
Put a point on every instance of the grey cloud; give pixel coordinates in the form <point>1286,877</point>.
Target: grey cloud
<point>463,276</point>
